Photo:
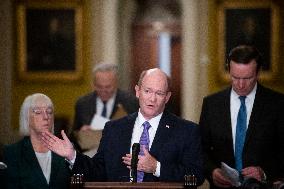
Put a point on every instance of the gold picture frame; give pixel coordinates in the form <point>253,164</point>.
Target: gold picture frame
<point>49,40</point>
<point>249,22</point>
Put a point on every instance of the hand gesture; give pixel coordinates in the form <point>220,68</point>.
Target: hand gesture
<point>61,147</point>
<point>219,179</point>
<point>146,163</point>
<point>127,160</point>
<point>254,172</point>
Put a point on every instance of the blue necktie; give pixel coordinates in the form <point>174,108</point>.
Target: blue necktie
<point>104,112</point>
<point>240,133</point>
<point>144,141</point>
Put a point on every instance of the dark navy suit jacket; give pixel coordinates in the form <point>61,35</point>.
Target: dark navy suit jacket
<point>264,142</point>
<point>24,170</point>
<point>177,145</point>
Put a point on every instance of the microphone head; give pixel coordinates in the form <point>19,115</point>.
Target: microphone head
<point>134,161</point>
<point>135,152</point>
<point>136,147</point>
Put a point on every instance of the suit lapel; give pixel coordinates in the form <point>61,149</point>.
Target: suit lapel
<point>227,117</point>
<point>123,145</point>
<point>56,164</point>
<point>255,114</point>
<point>225,121</point>
<point>32,162</point>
<point>93,105</point>
<point>162,134</point>
<point>115,106</point>
<point>126,133</point>
<point>116,102</point>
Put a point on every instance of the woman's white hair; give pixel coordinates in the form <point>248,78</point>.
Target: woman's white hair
<point>30,102</point>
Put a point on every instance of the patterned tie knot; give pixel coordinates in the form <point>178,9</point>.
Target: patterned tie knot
<point>146,125</point>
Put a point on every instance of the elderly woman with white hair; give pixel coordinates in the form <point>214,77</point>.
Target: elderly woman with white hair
<point>30,163</point>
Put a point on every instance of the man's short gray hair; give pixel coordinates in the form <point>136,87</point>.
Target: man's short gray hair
<point>30,102</point>
<point>105,67</point>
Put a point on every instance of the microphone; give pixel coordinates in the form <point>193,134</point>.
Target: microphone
<point>134,161</point>
<point>3,165</point>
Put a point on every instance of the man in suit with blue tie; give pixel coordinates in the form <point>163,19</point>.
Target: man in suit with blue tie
<point>243,125</point>
<point>174,144</point>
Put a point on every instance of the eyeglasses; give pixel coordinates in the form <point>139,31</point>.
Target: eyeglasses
<point>147,91</point>
<point>38,111</point>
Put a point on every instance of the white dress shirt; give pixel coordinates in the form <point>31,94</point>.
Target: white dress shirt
<point>109,106</point>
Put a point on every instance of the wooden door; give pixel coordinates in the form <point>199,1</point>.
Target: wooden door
<point>145,44</point>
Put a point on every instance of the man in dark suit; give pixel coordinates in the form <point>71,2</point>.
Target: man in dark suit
<point>174,143</point>
<point>263,142</point>
<point>106,96</point>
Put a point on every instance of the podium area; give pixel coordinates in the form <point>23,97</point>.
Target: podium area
<point>130,185</point>
<point>77,182</point>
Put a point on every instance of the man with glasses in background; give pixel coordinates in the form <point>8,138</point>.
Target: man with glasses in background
<point>105,102</point>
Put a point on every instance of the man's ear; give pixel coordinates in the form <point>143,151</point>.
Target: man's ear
<point>168,96</point>
<point>137,91</point>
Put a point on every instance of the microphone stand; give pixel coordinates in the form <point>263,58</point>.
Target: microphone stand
<point>134,174</point>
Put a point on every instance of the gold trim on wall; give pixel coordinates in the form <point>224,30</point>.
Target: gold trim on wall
<point>248,8</point>
<point>36,59</point>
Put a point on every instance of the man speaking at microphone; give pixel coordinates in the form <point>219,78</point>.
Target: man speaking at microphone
<point>170,147</point>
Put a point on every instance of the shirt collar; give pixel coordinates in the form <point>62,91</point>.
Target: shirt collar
<point>250,96</point>
<point>109,100</point>
<point>154,122</point>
